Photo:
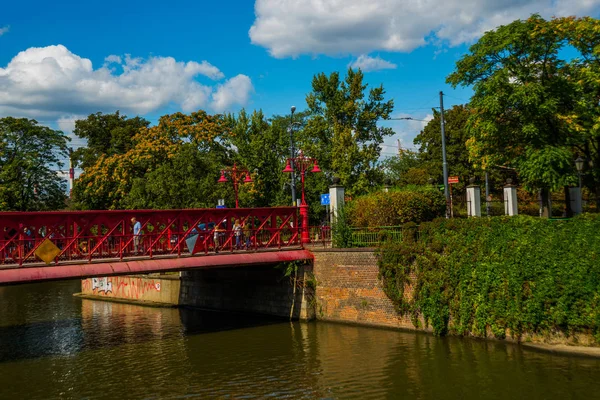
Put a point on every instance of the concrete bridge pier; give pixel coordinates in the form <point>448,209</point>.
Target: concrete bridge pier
<point>261,289</point>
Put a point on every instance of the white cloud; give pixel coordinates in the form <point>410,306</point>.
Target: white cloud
<point>4,29</point>
<point>113,59</point>
<point>291,27</point>
<point>53,82</point>
<point>368,64</point>
<point>235,91</point>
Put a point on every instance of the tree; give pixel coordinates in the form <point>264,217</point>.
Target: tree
<point>582,34</point>
<point>342,130</point>
<point>173,164</point>
<point>106,134</point>
<point>30,157</point>
<point>522,95</point>
<point>429,141</point>
<point>403,169</point>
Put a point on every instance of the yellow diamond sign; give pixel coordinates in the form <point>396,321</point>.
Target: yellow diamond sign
<point>47,251</point>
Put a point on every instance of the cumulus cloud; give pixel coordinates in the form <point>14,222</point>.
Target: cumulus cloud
<point>53,82</point>
<point>368,64</point>
<point>291,27</point>
<point>235,91</point>
<point>4,29</point>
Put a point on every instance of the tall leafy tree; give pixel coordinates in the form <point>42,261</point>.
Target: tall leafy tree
<point>429,141</point>
<point>583,35</point>
<point>30,156</point>
<point>106,134</point>
<point>342,129</point>
<point>522,95</point>
<point>172,164</point>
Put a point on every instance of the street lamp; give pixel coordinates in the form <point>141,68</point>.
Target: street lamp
<point>292,154</point>
<point>302,163</point>
<point>235,174</point>
<point>579,165</point>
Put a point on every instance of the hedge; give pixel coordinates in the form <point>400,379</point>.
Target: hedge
<point>397,207</point>
<point>499,275</point>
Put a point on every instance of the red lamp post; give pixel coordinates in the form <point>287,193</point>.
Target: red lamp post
<point>235,174</point>
<point>302,163</point>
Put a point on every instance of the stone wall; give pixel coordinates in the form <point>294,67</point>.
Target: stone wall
<point>349,290</point>
<point>258,289</point>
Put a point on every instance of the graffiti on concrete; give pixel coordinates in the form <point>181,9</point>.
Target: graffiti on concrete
<point>101,285</point>
<point>125,287</point>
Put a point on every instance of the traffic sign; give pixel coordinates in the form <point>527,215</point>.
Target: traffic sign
<point>325,201</point>
<point>453,179</point>
<point>221,206</point>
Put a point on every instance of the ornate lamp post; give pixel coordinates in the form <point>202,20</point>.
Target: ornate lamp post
<point>579,165</point>
<point>302,163</point>
<point>235,174</point>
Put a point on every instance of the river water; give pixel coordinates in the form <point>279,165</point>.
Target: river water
<point>54,345</point>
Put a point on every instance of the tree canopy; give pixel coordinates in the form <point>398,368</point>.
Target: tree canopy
<point>529,103</point>
<point>342,130</point>
<point>30,159</point>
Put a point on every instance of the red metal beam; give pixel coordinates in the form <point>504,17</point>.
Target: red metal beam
<point>95,235</point>
<point>81,271</point>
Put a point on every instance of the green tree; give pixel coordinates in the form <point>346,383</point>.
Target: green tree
<point>404,169</point>
<point>30,156</point>
<point>174,163</point>
<point>582,34</point>
<point>522,95</point>
<point>106,134</point>
<point>342,130</point>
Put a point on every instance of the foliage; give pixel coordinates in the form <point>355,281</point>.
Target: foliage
<point>404,169</point>
<point>397,207</point>
<point>429,141</point>
<point>30,157</point>
<point>106,134</point>
<point>527,99</point>
<point>173,164</point>
<point>342,130</point>
<point>499,276</point>
<point>341,232</point>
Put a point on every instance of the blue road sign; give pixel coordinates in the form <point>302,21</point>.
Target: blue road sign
<point>221,206</point>
<point>325,200</point>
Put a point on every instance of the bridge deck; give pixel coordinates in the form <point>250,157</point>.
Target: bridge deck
<point>144,265</point>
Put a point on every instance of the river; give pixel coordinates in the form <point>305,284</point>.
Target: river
<point>54,345</point>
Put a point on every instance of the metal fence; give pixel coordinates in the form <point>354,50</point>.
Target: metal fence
<point>359,237</point>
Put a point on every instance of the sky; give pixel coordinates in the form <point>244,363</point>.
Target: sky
<point>60,61</point>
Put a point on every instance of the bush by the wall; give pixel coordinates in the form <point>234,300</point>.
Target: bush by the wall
<point>397,207</point>
<point>500,275</point>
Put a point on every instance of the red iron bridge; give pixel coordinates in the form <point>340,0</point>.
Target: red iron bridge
<point>40,246</point>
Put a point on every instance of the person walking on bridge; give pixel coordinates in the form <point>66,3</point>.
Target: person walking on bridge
<point>137,234</point>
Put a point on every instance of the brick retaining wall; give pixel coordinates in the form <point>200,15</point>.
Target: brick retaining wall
<point>349,290</point>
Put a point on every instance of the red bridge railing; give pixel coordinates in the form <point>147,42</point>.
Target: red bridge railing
<point>87,236</point>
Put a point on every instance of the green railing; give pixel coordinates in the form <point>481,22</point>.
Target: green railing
<point>372,237</point>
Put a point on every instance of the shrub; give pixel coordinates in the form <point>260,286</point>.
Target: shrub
<point>499,275</point>
<point>397,207</point>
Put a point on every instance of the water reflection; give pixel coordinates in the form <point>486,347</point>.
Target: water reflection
<point>56,346</point>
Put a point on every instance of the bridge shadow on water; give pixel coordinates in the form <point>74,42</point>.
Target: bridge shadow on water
<point>95,325</point>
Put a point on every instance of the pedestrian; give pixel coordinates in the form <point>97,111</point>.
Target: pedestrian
<point>137,234</point>
<point>237,231</point>
<point>247,233</point>
<point>217,234</point>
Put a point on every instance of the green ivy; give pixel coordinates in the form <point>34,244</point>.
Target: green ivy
<point>500,275</point>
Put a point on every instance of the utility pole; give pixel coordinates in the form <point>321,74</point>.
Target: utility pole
<point>487,194</point>
<point>444,162</point>
<point>292,155</point>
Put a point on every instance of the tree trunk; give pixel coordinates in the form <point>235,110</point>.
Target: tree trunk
<point>568,209</point>
<point>545,210</point>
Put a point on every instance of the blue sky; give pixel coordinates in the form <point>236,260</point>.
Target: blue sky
<point>151,58</point>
